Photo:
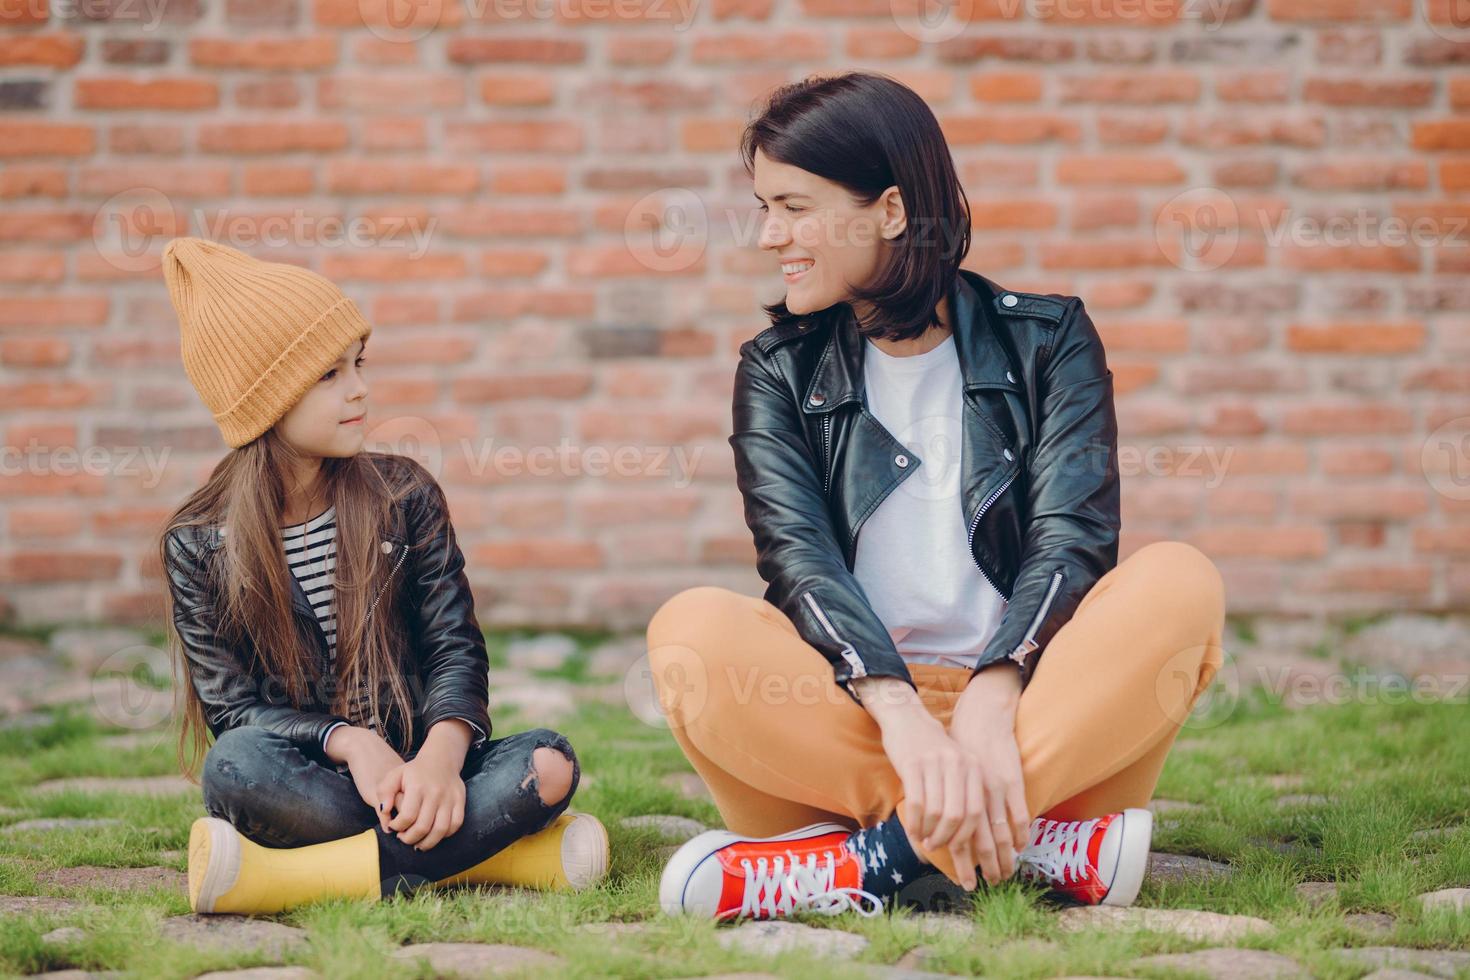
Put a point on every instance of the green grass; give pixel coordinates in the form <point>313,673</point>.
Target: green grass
<point>1391,769</point>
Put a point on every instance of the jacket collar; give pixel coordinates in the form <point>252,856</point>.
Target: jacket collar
<point>838,378</point>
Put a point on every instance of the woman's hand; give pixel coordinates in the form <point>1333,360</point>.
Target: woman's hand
<point>984,723</point>
<point>942,793</point>
<point>427,791</point>
<point>368,758</point>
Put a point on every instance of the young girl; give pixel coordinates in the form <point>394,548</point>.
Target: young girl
<point>325,626</point>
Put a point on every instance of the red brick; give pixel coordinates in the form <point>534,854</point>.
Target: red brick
<point>504,50</point>
<point>270,180</point>
<point>25,567</point>
<point>1280,543</point>
<point>1355,338</point>
<point>273,137</point>
<point>25,139</point>
<point>785,47</point>
<point>1441,134</point>
<point>265,53</point>
<point>527,553</point>
<point>32,267</point>
<point>345,177</point>
<point>513,387</point>
<point>1118,169</point>
<point>1347,418</point>
<point>155,93</point>
<point>82,310</point>
<point>1408,93</point>
<point>508,89</point>
<point>34,352</point>
<point>509,136</point>
<point>1382,11</point>
<point>395,91</point>
<point>41,50</point>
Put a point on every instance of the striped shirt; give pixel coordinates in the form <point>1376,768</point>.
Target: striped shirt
<point>311,553</point>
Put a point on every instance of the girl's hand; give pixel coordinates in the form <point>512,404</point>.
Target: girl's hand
<point>368,758</point>
<point>429,795</point>
<point>984,723</point>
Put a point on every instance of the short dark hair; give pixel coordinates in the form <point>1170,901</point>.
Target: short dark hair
<point>867,132</point>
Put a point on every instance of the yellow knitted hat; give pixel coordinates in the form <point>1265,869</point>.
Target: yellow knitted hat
<point>254,335</point>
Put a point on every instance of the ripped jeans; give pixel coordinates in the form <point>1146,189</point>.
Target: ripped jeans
<point>279,793</point>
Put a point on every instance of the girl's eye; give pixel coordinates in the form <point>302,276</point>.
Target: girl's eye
<point>329,374</point>
<point>763,208</point>
<point>794,210</point>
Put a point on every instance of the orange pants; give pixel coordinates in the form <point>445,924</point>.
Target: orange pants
<point>780,745</point>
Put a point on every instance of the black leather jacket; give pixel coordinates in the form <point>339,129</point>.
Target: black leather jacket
<point>1039,477</point>
<point>446,666</point>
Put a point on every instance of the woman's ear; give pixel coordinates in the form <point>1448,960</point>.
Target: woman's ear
<point>893,219</point>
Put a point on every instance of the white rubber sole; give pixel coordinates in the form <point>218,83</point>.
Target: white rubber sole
<point>214,862</point>
<point>1132,862</point>
<point>690,860</point>
<point>584,851</point>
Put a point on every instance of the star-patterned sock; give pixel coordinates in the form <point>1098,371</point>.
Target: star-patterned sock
<point>889,862</point>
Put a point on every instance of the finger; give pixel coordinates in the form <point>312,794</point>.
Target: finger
<point>456,818</point>
<point>1016,810</point>
<point>440,828</point>
<point>974,807</point>
<point>913,799</point>
<point>388,788</point>
<point>1000,831</point>
<point>933,801</point>
<point>963,852</point>
<point>953,809</point>
<point>408,809</point>
<point>424,822</point>
<point>985,854</point>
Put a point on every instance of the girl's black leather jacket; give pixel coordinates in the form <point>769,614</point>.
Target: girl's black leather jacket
<point>445,665</point>
<point>1039,477</point>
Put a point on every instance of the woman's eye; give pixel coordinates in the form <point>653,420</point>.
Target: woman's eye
<point>329,374</point>
<point>794,210</point>
<point>763,208</point>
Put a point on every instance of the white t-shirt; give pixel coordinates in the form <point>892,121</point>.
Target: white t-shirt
<point>913,557</point>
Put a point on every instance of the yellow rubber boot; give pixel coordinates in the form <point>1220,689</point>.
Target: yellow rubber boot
<point>569,855</point>
<point>229,873</point>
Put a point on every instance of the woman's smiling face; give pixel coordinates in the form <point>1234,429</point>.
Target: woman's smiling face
<point>826,242</point>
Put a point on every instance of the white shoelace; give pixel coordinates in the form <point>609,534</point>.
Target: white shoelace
<point>786,885</point>
<point>1059,851</point>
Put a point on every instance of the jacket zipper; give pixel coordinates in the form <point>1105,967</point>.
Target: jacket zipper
<point>1028,642</point>
<point>848,653</point>
<point>388,579</point>
<point>970,539</point>
<point>826,450</point>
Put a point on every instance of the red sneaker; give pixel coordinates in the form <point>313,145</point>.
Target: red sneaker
<point>1096,862</point>
<point>724,875</point>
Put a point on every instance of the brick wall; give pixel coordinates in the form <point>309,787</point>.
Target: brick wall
<point>1263,204</point>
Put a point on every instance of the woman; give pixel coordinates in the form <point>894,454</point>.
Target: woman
<point>949,667</point>
<point>327,633</point>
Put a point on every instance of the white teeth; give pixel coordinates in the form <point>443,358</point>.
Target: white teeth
<point>792,267</point>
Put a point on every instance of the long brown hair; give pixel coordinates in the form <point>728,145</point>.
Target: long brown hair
<point>251,580</point>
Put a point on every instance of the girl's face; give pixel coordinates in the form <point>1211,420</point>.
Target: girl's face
<point>331,418</point>
<point>826,244</point>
